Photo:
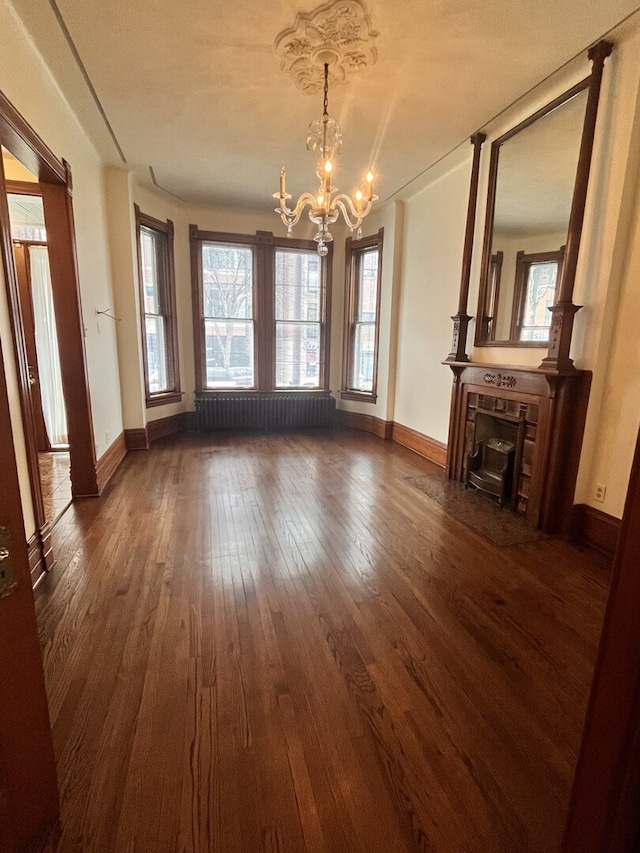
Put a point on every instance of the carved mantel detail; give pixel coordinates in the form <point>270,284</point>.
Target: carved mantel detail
<point>500,380</point>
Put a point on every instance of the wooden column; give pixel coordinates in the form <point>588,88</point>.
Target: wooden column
<point>564,311</point>
<point>58,213</point>
<point>461,319</point>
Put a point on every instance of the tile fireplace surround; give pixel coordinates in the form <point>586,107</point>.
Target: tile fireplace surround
<point>552,407</point>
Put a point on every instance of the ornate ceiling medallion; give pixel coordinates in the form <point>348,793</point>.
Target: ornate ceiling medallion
<point>341,28</point>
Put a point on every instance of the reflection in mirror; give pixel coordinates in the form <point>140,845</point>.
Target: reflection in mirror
<point>531,182</point>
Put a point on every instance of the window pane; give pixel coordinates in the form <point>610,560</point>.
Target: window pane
<point>367,287</point>
<point>26,214</point>
<point>150,278</point>
<point>297,355</point>
<point>229,354</point>
<point>297,285</point>
<point>156,354</point>
<point>539,295</point>
<point>227,281</point>
<point>364,341</point>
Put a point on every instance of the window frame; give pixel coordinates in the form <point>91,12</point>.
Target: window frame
<point>354,250</point>
<point>524,261</point>
<point>308,246</point>
<point>165,231</point>
<point>264,246</point>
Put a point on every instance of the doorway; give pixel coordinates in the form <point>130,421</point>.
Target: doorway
<point>41,280</point>
<point>31,255</point>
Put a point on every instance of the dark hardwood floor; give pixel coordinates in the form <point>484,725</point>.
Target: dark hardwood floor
<point>275,643</point>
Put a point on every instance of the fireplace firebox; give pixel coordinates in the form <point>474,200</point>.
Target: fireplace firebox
<point>493,465</point>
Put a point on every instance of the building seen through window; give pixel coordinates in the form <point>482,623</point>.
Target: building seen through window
<point>260,330</point>
<point>362,317</point>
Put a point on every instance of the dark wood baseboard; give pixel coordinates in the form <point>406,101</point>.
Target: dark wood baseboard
<point>430,448</point>
<point>109,461</point>
<point>170,425</point>
<point>140,439</point>
<point>46,545</point>
<point>40,551</point>
<point>136,439</point>
<point>366,423</point>
<point>595,528</point>
<point>36,559</point>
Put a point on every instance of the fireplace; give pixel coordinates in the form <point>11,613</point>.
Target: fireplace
<point>493,464</point>
<point>542,413</point>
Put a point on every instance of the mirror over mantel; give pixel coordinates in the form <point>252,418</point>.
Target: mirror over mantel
<point>532,177</point>
<point>526,292</point>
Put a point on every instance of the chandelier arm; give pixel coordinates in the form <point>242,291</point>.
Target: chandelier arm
<point>352,217</point>
<point>292,217</point>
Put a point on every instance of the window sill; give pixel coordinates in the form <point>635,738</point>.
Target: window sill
<point>164,399</point>
<point>359,396</point>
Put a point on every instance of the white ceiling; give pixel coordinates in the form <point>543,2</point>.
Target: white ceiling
<point>194,90</point>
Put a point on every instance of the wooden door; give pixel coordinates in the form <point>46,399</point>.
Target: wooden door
<point>29,804</point>
<point>29,327</point>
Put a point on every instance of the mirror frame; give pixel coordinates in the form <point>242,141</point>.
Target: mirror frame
<point>483,319</point>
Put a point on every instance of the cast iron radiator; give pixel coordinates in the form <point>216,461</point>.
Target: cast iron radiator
<point>277,411</point>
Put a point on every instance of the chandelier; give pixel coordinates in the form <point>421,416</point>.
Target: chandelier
<point>327,203</point>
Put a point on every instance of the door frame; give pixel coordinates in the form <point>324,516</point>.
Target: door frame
<point>29,798</point>
<point>604,811</point>
<point>56,188</point>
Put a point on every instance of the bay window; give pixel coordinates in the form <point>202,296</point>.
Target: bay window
<point>362,314</point>
<point>157,309</point>
<point>260,308</point>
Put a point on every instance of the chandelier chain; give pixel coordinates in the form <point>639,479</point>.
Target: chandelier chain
<point>325,111</point>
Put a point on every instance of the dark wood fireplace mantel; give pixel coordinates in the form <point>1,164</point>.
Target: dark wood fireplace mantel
<point>553,405</point>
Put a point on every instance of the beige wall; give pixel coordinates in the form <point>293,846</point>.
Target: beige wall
<point>122,246</point>
<point>434,225</point>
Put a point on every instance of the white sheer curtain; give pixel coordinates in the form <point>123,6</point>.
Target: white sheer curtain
<point>55,416</point>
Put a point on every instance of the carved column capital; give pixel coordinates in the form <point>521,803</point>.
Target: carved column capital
<point>459,338</point>
<point>563,314</point>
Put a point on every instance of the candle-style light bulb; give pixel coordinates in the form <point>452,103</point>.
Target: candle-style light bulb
<point>328,166</point>
<point>359,200</point>
<point>282,181</point>
<point>370,182</point>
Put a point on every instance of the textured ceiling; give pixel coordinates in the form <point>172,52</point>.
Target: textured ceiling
<point>194,89</point>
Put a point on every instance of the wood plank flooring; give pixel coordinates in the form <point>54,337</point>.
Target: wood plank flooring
<point>55,480</point>
<point>274,643</point>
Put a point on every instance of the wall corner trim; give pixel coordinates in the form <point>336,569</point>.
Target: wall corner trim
<point>108,463</point>
<point>365,423</point>
<point>595,528</point>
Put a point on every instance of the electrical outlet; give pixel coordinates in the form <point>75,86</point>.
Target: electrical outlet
<point>600,492</point>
